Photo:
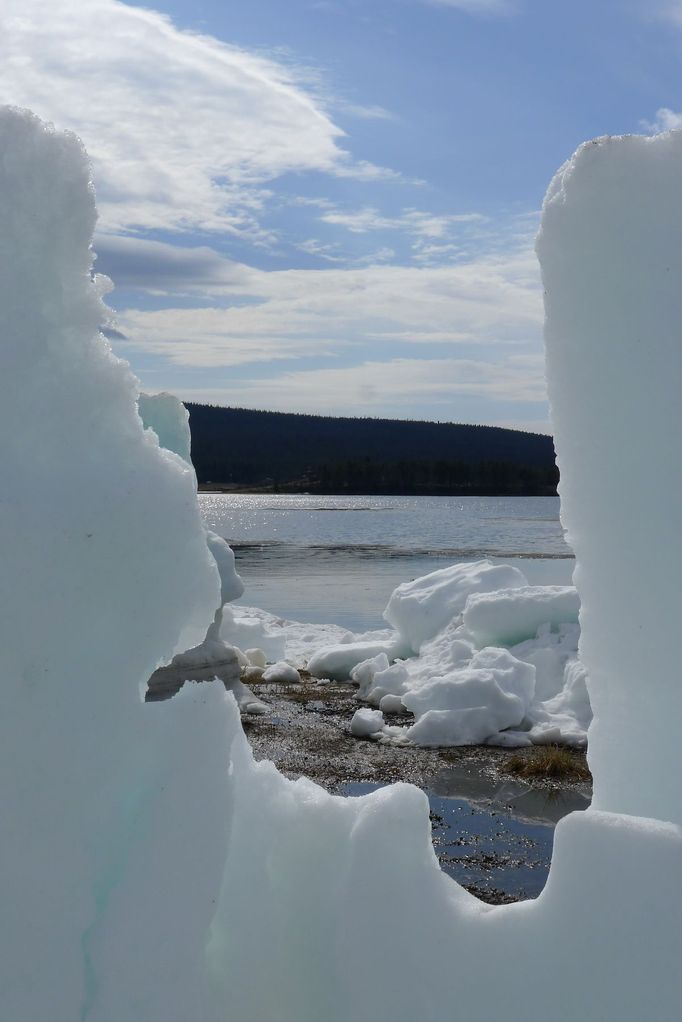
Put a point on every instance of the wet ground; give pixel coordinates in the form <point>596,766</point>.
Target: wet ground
<point>491,831</point>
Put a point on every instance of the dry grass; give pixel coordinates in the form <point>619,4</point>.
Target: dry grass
<point>304,694</point>
<point>551,762</point>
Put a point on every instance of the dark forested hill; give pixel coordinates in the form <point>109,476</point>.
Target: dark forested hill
<point>238,447</point>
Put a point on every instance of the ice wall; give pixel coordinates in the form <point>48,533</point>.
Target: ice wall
<point>109,859</point>
<point>611,255</point>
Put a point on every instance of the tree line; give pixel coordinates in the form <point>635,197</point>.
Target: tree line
<point>237,447</point>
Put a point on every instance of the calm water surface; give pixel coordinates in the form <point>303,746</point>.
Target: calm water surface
<point>493,836</point>
<point>337,559</point>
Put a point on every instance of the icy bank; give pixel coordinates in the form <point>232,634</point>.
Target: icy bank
<point>152,872</point>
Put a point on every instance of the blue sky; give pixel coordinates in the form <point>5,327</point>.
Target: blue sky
<point>329,205</point>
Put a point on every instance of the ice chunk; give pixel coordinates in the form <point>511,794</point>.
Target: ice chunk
<point>282,673</point>
<point>550,652</point>
<point>377,679</point>
<point>249,631</point>
<point>422,608</point>
<point>166,415</point>
<point>364,673</point>
<point>509,616</point>
<point>231,585</point>
<point>366,722</point>
<point>256,657</point>
<point>567,715</point>
<point>338,661</point>
<point>473,704</point>
<point>391,704</point>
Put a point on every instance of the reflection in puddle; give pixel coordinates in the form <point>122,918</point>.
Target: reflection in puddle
<point>495,838</point>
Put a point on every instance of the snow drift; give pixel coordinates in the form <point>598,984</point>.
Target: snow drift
<point>142,879</point>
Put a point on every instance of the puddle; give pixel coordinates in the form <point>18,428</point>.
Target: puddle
<point>494,838</point>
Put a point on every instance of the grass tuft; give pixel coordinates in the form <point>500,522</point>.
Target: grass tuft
<point>550,762</point>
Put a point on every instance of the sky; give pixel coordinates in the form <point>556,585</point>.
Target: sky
<point>330,205</point>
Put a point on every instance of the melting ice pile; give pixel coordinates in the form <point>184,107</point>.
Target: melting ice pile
<point>151,870</point>
<point>478,656</point>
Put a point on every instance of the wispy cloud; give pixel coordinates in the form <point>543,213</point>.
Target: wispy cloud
<point>480,7</point>
<point>665,120</point>
<point>183,130</point>
<point>363,170</point>
<point>493,303</point>
<point>321,249</point>
<point>370,112</point>
<point>403,385</point>
<point>412,221</point>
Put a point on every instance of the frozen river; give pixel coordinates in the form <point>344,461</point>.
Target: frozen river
<point>337,559</point>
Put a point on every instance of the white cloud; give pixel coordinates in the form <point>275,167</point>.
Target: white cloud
<point>484,7</point>
<point>182,129</point>
<point>665,120</point>
<point>311,246</point>
<point>429,253</point>
<point>413,221</point>
<point>493,301</point>
<point>363,170</point>
<point>371,112</point>
<point>398,386</point>
<point>216,338</point>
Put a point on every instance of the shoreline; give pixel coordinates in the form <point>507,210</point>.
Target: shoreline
<point>294,489</point>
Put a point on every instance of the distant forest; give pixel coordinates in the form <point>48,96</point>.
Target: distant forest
<point>242,449</point>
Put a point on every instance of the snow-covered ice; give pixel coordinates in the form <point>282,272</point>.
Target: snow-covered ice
<point>510,616</point>
<point>151,869</point>
<point>338,661</point>
<point>281,673</point>
<point>420,609</point>
<point>367,722</point>
<point>494,661</point>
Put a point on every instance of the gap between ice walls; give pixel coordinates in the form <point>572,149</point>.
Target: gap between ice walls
<point>151,870</point>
